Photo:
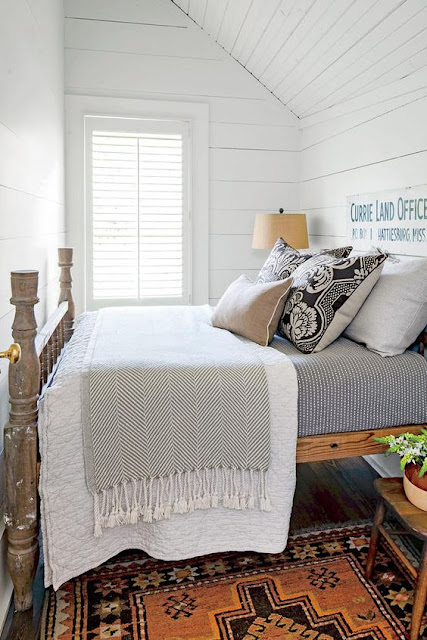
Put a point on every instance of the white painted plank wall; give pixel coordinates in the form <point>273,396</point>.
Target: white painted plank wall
<point>367,144</point>
<point>153,50</point>
<point>31,168</point>
<point>377,146</point>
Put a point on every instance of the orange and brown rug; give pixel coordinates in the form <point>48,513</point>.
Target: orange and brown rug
<point>314,590</point>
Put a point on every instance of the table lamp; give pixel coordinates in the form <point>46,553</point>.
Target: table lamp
<point>292,227</point>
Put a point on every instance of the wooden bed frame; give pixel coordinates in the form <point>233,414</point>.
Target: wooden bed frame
<point>40,354</point>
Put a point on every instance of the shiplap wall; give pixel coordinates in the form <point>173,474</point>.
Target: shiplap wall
<point>31,165</point>
<point>149,49</point>
<point>371,143</point>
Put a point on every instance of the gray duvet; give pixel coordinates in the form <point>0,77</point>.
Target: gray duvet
<point>346,387</point>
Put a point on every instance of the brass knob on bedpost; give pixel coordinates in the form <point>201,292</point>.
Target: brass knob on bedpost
<point>13,354</point>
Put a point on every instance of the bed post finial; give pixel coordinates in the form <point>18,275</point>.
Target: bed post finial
<point>65,262</point>
<point>20,443</point>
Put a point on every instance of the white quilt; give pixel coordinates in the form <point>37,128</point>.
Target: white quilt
<point>70,547</point>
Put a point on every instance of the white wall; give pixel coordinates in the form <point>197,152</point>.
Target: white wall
<point>149,49</point>
<point>373,143</point>
<point>31,164</point>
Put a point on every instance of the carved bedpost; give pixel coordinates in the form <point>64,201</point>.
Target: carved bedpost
<point>65,261</point>
<point>20,443</point>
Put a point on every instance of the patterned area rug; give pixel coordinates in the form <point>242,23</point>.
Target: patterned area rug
<point>314,590</point>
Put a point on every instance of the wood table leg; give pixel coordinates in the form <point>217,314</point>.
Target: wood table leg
<point>420,595</point>
<point>375,534</point>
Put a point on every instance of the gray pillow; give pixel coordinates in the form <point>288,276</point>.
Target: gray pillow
<point>284,259</point>
<point>395,312</point>
<point>326,294</point>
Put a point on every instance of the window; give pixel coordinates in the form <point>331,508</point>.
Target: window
<point>137,207</point>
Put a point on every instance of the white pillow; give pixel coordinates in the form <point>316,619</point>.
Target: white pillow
<point>395,312</point>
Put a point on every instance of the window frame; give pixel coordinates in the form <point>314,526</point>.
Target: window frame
<point>197,114</point>
<point>137,125</point>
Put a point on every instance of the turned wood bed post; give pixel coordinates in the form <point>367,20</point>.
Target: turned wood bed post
<point>65,261</point>
<point>20,443</point>
<point>39,354</point>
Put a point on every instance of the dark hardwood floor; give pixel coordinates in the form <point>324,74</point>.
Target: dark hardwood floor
<point>332,492</point>
<point>327,493</point>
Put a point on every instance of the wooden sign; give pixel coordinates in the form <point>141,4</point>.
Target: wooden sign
<point>393,220</point>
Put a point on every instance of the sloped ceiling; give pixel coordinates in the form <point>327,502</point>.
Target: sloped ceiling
<point>315,54</point>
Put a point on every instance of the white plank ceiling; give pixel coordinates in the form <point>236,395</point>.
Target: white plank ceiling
<point>316,54</point>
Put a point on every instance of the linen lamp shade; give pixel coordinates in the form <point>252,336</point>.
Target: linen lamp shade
<point>292,227</point>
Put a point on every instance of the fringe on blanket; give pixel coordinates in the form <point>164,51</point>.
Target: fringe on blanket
<point>153,499</point>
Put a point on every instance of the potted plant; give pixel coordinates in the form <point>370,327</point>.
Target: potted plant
<point>412,449</point>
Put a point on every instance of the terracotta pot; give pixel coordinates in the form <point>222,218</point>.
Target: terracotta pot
<point>415,487</point>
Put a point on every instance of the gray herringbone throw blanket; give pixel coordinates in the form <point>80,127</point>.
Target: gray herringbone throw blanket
<point>176,416</point>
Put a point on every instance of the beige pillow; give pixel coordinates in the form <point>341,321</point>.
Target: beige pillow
<point>252,310</point>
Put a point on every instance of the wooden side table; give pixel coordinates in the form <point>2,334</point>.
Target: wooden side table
<point>392,497</point>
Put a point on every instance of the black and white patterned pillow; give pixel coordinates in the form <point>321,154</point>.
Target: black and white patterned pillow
<point>284,259</point>
<point>325,296</point>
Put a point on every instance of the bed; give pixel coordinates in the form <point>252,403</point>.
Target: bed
<point>389,399</point>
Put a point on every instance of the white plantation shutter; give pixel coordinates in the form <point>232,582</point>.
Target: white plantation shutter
<point>137,196</point>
